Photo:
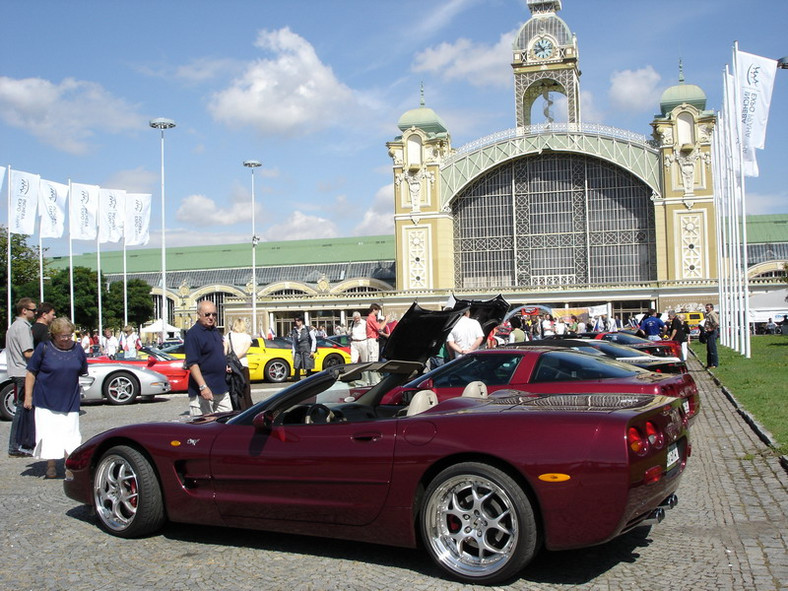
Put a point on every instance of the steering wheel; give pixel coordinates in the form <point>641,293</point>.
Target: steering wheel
<point>318,414</point>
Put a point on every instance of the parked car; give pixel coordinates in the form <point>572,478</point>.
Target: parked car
<point>548,370</point>
<point>615,351</point>
<point>158,361</point>
<point>272,360</point>
<point>482,480</point>
<point>661,348</point>
<point>117,383</point>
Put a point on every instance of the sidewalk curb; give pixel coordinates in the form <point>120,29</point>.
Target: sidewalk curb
<point>761,431</point>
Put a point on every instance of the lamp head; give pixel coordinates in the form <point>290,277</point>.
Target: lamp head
<point>783,62</point>
<point>162,123</point>
<point>252,163</point>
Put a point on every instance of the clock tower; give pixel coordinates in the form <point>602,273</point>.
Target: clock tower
<point>544,59</point>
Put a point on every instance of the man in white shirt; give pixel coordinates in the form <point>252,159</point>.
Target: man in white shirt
<point>358,339</point>
<point>466,336</point>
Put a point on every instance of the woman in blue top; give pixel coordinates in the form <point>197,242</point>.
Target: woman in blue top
<point>52,388</point>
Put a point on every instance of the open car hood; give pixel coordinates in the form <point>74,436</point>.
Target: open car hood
<point>420,333</point>
<point>489,313</point>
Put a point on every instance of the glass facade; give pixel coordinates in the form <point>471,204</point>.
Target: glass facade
<point>552,220</point>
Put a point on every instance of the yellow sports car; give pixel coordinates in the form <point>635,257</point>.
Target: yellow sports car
<point>272,360</point>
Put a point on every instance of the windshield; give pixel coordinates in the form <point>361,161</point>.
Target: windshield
<point>566,366</point>
<point>615,350</point>
<point>352,390</point>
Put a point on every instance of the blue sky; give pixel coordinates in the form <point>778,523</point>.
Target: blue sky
<point>314,89</point>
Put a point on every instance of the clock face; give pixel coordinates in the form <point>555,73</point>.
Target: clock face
<point>543,48</point>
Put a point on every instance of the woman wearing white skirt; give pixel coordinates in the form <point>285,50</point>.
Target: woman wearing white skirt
<point>52,388</point>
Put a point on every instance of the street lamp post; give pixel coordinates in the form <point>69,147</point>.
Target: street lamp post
<point>161,124</point>
<point>252,164</point>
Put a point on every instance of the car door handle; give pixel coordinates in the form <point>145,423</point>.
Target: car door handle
<point>367,436</point>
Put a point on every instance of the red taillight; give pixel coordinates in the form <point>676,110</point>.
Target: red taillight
<point>655,437</point>
<point>637,443</point>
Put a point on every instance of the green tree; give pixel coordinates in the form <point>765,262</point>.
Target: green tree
<point>85,296</point>
<point>140,303</point>
<point>24,271</point>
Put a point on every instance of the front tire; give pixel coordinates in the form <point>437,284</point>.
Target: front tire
<point>7,406</point>
<point>126,494</point>
<point>120,388</point>
<point>276,371</point>
<point>477,524</point>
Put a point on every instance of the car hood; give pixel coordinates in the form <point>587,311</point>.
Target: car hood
<point>420,333</point>
<point>489,313</point>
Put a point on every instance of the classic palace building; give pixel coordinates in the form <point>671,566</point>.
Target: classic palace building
<point>565,214</point>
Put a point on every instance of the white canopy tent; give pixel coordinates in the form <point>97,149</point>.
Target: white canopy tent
<point>156,328</point>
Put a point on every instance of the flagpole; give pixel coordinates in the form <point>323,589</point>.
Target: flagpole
<point>125,287</point>
<point>70,251</point>
<point>8,249</point>
<point>98,276</point>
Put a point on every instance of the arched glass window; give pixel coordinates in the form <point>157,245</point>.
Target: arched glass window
<point>555,219</point>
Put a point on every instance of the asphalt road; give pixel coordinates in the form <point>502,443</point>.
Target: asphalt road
<point>728,532</point>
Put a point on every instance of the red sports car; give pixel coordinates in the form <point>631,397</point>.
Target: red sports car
<point>158,361</point>
<point>548,370</point>
<point>661,348</point>
<point>481,480</point>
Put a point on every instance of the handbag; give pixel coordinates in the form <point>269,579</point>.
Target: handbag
<point>703,336</point>
<point>26,428</point>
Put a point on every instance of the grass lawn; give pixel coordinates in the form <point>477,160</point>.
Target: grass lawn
<point>760,383</point>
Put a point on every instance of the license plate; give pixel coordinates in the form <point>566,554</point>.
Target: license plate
<point>673,456</point>
<point>685,406</point>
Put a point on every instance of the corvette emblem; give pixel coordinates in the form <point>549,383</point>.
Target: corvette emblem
<point>192,441</point>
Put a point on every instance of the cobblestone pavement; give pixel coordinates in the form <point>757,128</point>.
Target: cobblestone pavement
<point>728,532</point>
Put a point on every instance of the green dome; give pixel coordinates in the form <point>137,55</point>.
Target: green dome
<point>682,93</point>
<point>422,118</point>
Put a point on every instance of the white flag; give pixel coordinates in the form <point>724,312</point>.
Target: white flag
<point>2,176</point>
<point>52,198</point>
<point>112,215</point>
<point>137,218</point>
<point>755,78</point>
<point>24,202</point>
<point>83,211</point>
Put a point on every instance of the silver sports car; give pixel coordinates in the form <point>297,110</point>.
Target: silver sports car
<point>118,383</point>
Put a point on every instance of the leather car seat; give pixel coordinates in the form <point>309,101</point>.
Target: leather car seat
<point>475,389</point>
<point>422,400</point>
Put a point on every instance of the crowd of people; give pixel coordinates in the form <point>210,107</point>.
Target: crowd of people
<point>45,358</point>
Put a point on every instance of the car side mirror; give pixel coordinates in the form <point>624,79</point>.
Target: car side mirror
<point>151,361</point>
<point>263,421</point>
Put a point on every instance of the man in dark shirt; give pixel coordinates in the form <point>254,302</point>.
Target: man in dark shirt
<point>204,348</point>
<point>45,314</point>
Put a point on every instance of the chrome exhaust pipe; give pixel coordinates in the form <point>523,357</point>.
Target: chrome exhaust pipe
<point>655,517</point>
<point>670,502</point>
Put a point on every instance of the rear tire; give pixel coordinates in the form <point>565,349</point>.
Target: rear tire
<point>332,360</point>
<point>126,494</point>
<point>7,406</point>
<point>477,524</point>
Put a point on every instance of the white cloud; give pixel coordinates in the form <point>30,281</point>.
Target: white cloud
<point>292,94</point>
<point>300,226</point>
<point>67,115</point>
<point>379,218</point>
<point>202,211</point>
<point>206,69</point>
<point>762,204</point>
<point>137,180</point>
<point>635,90</point>
<point>476,63</point>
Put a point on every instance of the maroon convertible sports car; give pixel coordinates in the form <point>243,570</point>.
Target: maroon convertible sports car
<point>482,480</point>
